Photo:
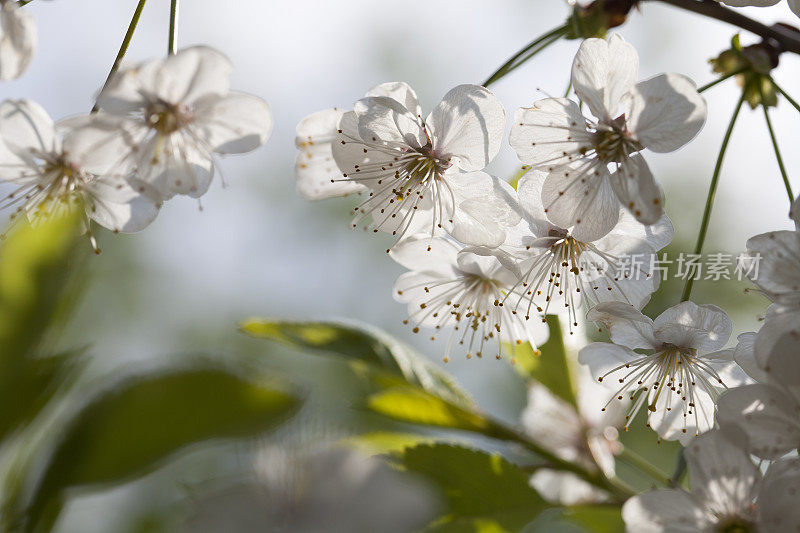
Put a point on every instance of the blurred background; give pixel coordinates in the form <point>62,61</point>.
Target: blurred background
<point>257,249</point>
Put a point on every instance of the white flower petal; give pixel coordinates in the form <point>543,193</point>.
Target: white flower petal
<point>665,112</point>
<point>664,511</point>
<point>564,488</point>
<point>101,143</point>
<point>769,418</point>
<point>232,124</point>
<point>400,91</point>
<point>583,201</point>
<point>794,214</point>
<point>638,191</point>
<point>777,500</point>
<point>314,166</point>
<point>485,207</point>
<point>191,74</point>
<point>384,120</point>
<point>688,325</point>
<point>424,253</point>
<point>603,71</point>
<point>626,325</point>
<point>468,126</point>
<point>602,357</point>
<point>123,94</point>
<point>174,165</point>
<point>121,206</point>
<point>722,475</point>
<point>779,322</point>
<point>745,3</point>
<point>543,133</point>
<point>26,126</point>
<point>630,230</point>
<point>778,270</point>
<point>17,40</point>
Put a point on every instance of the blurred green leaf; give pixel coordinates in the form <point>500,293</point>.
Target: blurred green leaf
<point>362,342</point>
<point>128,430</point>
<point>549,367</point>
<point>382,442</point>
<point>35,266</point>
<point>578,519</point>
<point>482,492</point>
<point>408,403</point>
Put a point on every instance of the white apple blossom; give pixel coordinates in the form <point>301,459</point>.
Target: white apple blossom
<point>728,493</point>
<point>794,5</point>
<point>594,164</point>
<point>679,384</point>
<point>581,434</point>
<point>17,40</point>
<point>178,113</point>
<point>450,286</point>
<point>52,172</point>
<point>562,269</point>
<point>418,174</point>
<point>767,413</point>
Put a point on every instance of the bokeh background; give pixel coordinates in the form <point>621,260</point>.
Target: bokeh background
<point>257,249</point>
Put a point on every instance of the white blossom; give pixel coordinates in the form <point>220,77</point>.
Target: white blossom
<point>728,493</point>
<point>52,172</point>
<point>679,382</point>
<point>767,413</point>
<point>562,269</point>
<point>449,286</point>
<point>794,5</point>
<point>581,434</point>
<point>17,40</point>
<point>594,163</point>
<point>178,113</point>
<point>417,174</point>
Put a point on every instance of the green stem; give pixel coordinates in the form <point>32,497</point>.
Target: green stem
<point>172,46</point>
<point>644,466</point>
<point>617,489</point>
<point>788,98</point>
<point>774,139</point>
<point>680,470</point>
<point>23,3</point>
<point>709,85</point>
<point>712,191</point>
<point>123,49</point>
<point>508,66</point>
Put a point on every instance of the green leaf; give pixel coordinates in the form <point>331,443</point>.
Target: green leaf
<point>35,266</point>
<point>578,519</point>
<point>409,403</point>
<point>130,429</point>
<point>550,366</point>
<point>482,492</point>
<point>383,442</point>
<point>356,341</point>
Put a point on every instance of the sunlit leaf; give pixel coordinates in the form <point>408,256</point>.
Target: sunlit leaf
<point>35,265</point>
<point>360,342</point>
<point>412,404</point>
<point>381,442</point>
<point>549,366</point>
<point>482,492</point>
<point>131,428</point>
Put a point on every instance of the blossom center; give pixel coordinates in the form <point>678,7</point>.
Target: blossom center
<point>167,118</point>
<point>613,142</point>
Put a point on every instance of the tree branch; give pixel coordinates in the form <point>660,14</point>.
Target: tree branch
<point>788,40</point>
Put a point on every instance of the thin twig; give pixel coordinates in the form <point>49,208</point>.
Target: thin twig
<point>788,98</point>
<point>172,46</point>
<point>712,191</point>
<point>503,70</point>
<point>786,38</point>
<point>774,139</point>
<point>123,49</point>
<point>711,84</point>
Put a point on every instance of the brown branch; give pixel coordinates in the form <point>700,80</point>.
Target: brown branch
<point>787,39</point>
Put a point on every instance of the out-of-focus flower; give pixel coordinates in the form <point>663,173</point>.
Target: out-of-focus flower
<point>52,172</point>
<point>563,268</point>
<point>728,493</point>
<point>418,174</point>
<point>794,5</point>
<point>17,40</point>
<point>678,383</point>
<point>337,491</point>
<point>178,113</point>
<point>767,413</point>
<point>450,286</point>
<point>584,435</point>
<point>595,164</point>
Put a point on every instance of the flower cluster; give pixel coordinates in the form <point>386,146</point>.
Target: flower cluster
<point>160,126</point>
